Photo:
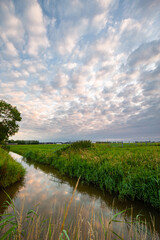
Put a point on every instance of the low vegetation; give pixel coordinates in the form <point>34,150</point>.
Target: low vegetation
<point>131,171</point>
<point>81,145</point>
<point>82,226</point>
<point>10,170</point>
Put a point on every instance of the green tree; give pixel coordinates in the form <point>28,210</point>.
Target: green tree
<point>9,115</point>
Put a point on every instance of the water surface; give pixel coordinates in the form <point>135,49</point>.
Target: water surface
<point>43,185</point>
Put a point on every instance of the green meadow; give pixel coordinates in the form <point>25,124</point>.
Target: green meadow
<point>130,170</point>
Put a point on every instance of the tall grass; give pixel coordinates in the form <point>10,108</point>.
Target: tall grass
<point>10,170</point>
<point>83,226</point>
<point>130,172</point>
<point>81,145</point>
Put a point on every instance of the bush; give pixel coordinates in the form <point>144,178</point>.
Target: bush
<point>81,145</point>
<point>5,146</point>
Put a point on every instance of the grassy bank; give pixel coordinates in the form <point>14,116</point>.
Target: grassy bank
<point>10,170</point>
<point>131,171</point>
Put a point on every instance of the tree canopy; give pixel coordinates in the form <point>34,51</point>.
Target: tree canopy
<point>9,116</point>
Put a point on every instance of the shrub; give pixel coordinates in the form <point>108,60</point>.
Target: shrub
<point>5,147</point>
<point>81,144</point>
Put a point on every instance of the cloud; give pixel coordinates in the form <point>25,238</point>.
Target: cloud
<point>21,83</point>
<point>60,80</point>
<point>11,27</point>
<point>147,53</point>
<point>10,50</point>
<point>99,21</point>
<point>34,26</point>
<point>81,69</point>
<point>144,8</point>
<point>69,34</point>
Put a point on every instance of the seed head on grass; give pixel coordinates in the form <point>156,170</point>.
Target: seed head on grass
<point>66,213</point>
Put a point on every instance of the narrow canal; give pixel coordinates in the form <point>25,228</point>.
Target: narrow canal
<point>44,186</point>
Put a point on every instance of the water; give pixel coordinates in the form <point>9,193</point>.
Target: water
<point>44,186</point>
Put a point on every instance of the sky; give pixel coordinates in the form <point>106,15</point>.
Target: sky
<point>80,69</point>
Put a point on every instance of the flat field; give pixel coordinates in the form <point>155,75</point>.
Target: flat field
<point>130,170</point>
<point>36,147</point>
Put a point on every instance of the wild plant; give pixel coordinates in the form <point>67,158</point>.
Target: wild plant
<point>131,172</point>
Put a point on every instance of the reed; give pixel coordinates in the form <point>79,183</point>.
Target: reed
<point>33,226</point>
<point>69,204</point>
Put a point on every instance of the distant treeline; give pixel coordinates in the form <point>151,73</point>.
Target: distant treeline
<point>21,142</point>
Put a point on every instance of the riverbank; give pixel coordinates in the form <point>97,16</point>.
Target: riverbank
<point>10,170</point>
<point>131,172</point>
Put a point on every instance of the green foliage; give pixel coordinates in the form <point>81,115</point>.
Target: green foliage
<point>5,146</point>
<point>42,148</point>
<point>64,234</point>
<point>131,172</point>
<point>21,142</point>
<point>81,144</point>
<point>9,115</point>
<point>10,170</point>
<point>13,221</point>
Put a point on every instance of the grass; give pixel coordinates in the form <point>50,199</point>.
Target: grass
<point>131,171</point>
<point>10,170</point>
<point>84,226</point>
<point>44,148</point>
